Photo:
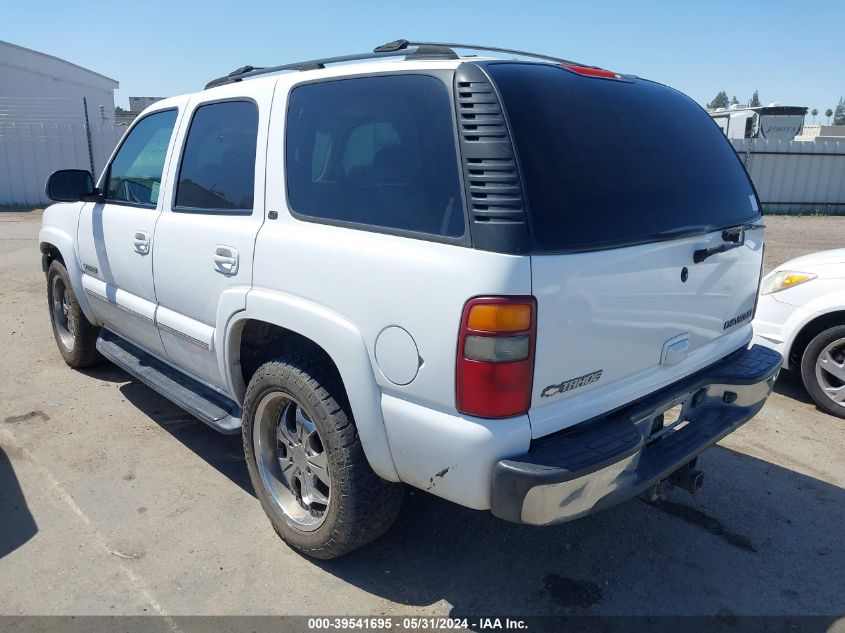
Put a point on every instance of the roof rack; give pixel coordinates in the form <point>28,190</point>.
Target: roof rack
<point>397,48</point>
<point>399,45</point>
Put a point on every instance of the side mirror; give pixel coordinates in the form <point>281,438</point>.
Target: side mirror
<point>70,185</point>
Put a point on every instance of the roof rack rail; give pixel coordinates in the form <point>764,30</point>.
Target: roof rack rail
<point>397,48</point>
<point>419,52</point>
<point>399,45</point>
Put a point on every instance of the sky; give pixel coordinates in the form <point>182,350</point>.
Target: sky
<point>791,52</point>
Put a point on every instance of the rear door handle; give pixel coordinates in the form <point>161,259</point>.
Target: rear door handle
<point>142,242</point>
<point>226,260</point>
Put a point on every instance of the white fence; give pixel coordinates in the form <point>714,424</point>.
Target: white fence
<point>794,176</point>
<point>40,135</point>
<point>29,152</point>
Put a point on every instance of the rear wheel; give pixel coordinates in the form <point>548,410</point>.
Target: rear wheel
<point>307,464</point>
<point>823,370</point>
<point>75,335</point>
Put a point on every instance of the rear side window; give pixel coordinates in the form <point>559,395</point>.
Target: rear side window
<point>134,175</point>
<point>609,162</point>
<point>375,151</point>
<point>218,164</point>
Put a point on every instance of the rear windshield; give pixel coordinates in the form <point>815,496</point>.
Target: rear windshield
<point>611,162</point>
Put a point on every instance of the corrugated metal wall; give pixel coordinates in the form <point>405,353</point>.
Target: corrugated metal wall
<point>39,136</point>
<point>796,175</point>
<point>29,152</point>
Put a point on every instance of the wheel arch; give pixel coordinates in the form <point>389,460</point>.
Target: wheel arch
<point>273,323</point>
<point>56,245</point>
<point>809,331</point>
<point>49,253</point>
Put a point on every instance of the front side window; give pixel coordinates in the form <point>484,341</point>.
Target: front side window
<point>218,164</point>
<point>135,173</point>
<point>375,151</point>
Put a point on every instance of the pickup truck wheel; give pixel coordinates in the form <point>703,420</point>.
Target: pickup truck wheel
<point>823,370</point>
<point>75,335</point>
<point>307,464</point>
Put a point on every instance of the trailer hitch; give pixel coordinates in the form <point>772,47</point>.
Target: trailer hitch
<point>687,477</point>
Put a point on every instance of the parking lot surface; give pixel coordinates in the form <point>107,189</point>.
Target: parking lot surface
<point>113,501</point>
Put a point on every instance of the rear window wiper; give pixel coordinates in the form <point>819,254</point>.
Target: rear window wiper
<point>733,237</point>
<point>683,231</point>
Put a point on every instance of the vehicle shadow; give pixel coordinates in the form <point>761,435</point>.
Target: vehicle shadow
<point>789,384</point>
<point>224,453</point>
<point>758,539</point>
<point>107,372</point>
<point>17,525</point>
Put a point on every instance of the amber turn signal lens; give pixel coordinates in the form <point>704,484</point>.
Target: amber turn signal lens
<point>500,318</point>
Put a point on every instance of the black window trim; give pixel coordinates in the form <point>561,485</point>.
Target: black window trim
<point>104,180</point>
<point>445,77</point>
<point>200,210</point>
<point>536,248</point>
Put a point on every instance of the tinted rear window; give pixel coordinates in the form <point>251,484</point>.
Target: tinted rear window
<point>218,165</point>
<point>375,151</point>
<point>608,162</point>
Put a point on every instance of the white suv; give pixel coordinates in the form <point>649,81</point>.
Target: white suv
<point>524,286</point>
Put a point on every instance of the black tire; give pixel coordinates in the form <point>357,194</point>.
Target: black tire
<point>809,371</point>
<point>76,336</point>
<point>361,505</point>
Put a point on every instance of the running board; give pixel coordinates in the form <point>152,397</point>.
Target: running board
<point>213,408</point>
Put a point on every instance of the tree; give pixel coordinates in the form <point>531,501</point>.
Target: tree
<point>839,115</point>
<point>755,100</point>
<point>815,113</point>
<point>719,101</point>
<point>734,100</point>
<point>828,113</point>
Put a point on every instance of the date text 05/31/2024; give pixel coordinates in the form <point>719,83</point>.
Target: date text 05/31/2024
<point>415,623</point>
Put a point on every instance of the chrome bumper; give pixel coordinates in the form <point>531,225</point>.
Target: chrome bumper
<point>603,461</point>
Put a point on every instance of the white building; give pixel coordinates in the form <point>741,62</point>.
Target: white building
<point>139,104</point>
<point>53,115</point>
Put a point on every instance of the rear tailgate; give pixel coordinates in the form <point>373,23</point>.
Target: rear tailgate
<point>625,180</point>
<point>614,311</point>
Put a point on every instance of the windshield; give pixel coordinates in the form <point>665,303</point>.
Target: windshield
<point>613,162</point>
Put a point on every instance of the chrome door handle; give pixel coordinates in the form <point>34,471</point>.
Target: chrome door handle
<point>226,260</point>
<point>142,242</point>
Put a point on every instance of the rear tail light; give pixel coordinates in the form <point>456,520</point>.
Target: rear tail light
<point>495,365</point>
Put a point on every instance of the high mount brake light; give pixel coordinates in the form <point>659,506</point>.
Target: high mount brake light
<point>592,72</point>
<point>495,359</point>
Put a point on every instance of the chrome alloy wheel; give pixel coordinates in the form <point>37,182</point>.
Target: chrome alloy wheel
<point>292,460</point>
<point>61,313</point>
<point>830,371</point>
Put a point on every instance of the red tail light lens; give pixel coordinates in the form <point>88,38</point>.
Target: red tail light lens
<point>592,72</point>
<point>495,364</point>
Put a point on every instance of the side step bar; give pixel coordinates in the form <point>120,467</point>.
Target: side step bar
<point>213,408</point>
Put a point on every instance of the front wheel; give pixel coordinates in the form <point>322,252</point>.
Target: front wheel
<point>307,464</point>
<point>75,335</point>
<point>823,370</point>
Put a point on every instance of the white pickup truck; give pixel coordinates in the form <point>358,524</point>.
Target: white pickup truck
<point>523,285</point>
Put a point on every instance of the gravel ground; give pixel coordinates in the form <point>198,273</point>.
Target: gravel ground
<point>788,237</point>
<point>113,501</point>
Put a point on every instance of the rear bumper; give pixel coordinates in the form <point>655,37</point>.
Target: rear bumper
<point>603,461</point>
